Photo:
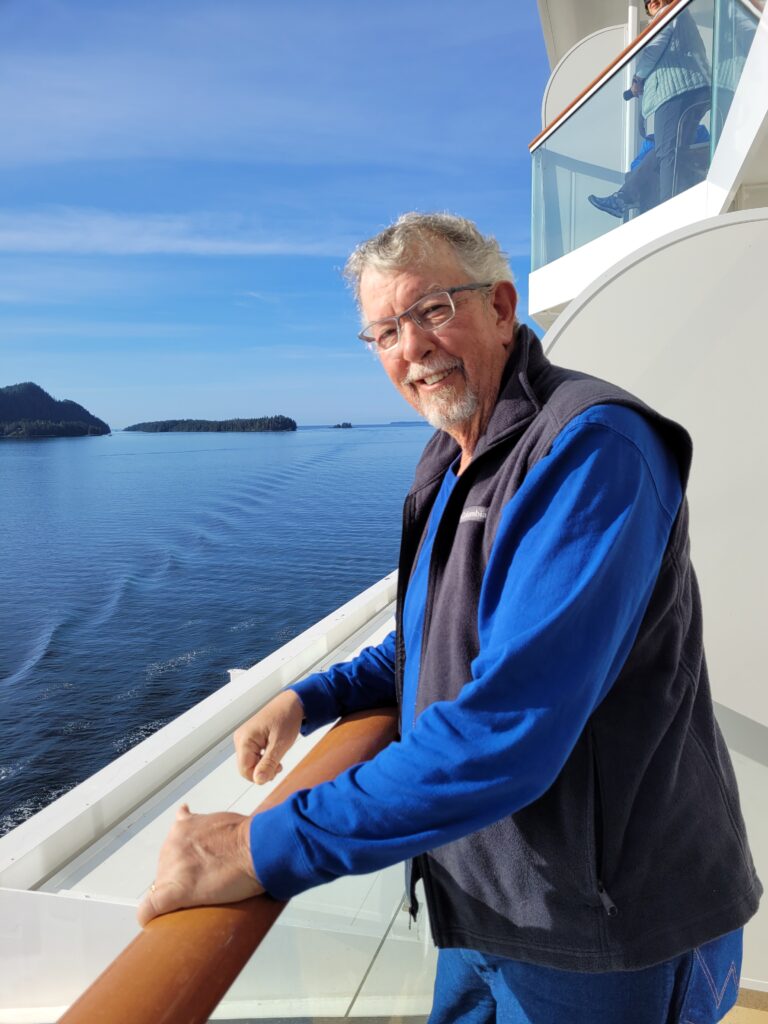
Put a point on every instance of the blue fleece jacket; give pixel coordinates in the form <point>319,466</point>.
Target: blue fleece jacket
<point>577,552</point>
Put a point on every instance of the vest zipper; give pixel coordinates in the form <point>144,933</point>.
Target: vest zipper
<point>609,906</point>
<point>597,823</point>
<point>410,903</point>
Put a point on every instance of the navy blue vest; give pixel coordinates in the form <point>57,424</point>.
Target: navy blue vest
<point>638,851</point>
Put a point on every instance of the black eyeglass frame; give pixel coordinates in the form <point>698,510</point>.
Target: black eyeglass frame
<point>450,292</point>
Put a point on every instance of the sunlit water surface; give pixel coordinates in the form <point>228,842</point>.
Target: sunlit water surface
<point>137,569</point>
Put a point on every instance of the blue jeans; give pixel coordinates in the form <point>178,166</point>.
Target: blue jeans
<point>699,987</point>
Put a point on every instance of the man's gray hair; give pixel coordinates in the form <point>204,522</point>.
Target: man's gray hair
<point>414,238</point>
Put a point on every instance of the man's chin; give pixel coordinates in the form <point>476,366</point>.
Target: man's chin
<point>447,412</point>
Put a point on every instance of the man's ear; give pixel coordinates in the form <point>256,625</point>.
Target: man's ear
<point>504,305</point>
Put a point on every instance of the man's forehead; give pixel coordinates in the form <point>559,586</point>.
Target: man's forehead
<point>375,283</point>
<point>438,270</point>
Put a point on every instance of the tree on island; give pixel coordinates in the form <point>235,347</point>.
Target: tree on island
<point>261,424</point>
<point>342,426</point>
<point>27,411</point>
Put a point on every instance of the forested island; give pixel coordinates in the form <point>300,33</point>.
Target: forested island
<point>342,426</point>
<point>262,423</point>
<point>27,411</point>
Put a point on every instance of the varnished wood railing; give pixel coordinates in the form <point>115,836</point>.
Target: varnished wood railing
<point>179,968</point>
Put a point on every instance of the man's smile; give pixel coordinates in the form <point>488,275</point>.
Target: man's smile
<point>435,378</point>
<point>425,378</point>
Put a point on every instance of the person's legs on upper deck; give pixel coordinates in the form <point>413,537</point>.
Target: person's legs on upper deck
<point>665,128</point>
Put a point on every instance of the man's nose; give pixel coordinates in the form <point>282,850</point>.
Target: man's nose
<point>415,342</point>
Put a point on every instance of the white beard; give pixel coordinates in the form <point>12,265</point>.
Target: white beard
<point>446,409</point>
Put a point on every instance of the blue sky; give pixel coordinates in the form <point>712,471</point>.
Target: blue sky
<point>180,184</point>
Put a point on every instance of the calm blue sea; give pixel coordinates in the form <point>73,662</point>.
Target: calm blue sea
<point>136,569</point>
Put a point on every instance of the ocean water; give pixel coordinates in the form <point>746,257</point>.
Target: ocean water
<point>136,569</point>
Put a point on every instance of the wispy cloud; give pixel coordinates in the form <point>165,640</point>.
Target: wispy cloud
<point>110,330</point>
<point>78,231</point>
<point>310,354</point>
<point>41,281</point>
<point>147,146</point>
<point>268,297</point>
<point>89,231</point>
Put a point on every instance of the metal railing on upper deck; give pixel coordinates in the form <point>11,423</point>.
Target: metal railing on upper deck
<point>181,966</point>
<point>596,165</point>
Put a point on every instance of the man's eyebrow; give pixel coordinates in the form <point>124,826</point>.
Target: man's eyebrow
<point>428,290</point>
<point>433,288</point>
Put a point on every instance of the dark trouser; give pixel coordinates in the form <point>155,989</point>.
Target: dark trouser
<point>665,125</point>
<point>641,185</point>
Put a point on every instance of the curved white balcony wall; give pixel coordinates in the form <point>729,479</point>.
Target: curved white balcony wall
<point>681,323</point>
<point>552,287</point>
<point>564,22</point>
<point>579,67</point>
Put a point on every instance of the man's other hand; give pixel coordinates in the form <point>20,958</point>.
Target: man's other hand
<point>205,859</point>
<point>264,739</point>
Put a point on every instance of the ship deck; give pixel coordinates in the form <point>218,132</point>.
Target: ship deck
<point>72,877</point>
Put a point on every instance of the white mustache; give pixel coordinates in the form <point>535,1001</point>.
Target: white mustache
<point>418,371</point>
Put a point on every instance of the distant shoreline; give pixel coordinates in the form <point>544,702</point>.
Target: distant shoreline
<point>375,426</point>
<point>27,412</point>
<point>300,426</point>
<point>262,424</point>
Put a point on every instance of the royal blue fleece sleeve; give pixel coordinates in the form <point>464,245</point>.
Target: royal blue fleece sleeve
<point>368,681</point>
<point>570,574</point>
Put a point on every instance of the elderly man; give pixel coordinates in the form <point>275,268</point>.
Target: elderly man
<point>560,784</point>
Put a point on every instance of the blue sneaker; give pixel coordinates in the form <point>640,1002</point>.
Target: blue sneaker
<point>613,204</point>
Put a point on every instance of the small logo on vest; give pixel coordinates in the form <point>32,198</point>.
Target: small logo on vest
<point>474,514</point>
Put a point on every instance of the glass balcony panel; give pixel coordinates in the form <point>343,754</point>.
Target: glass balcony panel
<point>735,27</point>
<point>345,949</point>
<point>599,168</point>
<point>586,154</point>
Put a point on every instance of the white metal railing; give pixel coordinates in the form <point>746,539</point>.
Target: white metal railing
<point>37,848</point>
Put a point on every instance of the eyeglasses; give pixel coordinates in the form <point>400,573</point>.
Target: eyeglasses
<point>431,313</point>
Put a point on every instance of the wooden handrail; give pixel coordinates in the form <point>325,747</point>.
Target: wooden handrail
<point>606,73</point>
<point>182,964</point>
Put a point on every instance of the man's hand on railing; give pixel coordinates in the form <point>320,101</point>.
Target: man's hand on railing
<point>205,860</point>
<point>217,943</point>
<point>263,740</point>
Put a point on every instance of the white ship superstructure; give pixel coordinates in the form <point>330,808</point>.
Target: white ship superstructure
<point>667,303</point>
